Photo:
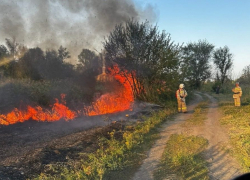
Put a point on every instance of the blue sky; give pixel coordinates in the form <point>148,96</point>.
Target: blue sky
<point>220,22</point>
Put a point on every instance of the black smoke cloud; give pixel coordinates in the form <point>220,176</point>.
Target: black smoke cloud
<point>75,24</point>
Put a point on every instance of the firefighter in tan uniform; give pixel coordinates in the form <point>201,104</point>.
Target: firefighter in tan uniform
<point>181,93</point>
<point>237,94</point>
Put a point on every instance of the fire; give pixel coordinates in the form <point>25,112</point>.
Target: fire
<point>107,103</point>
<point>59,111</point>
<point>114,102</point>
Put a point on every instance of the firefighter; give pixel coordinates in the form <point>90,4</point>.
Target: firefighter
<point>181,93</point>
<point>237,94</point>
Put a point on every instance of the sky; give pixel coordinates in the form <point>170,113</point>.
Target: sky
<point>82,24</point>
<point>220,22</point>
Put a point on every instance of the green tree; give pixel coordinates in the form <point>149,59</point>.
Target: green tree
<point>245,77</point>
<point>88,59</point>
<point>195,65</point>
<point>223,61</point>
<point>153,56</point>
<point>31,64</point>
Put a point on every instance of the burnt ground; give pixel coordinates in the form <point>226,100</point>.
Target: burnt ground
<point>26,148</point>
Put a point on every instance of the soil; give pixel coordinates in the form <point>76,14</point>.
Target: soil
<point>220,164</point>
<point>26,148</point>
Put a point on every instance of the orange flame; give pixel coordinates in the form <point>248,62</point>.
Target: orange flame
<point>59,111</point>
<point>114,102</point>
<point>107,103</point>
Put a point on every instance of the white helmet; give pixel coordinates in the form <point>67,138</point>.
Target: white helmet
<point>181,86</point>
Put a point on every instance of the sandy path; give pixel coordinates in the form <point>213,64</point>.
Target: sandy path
<point>221,165</point>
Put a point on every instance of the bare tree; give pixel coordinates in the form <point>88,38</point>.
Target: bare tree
<point>16,50</point>
<point>12,46</point>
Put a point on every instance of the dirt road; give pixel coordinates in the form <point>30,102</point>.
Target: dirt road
<point>221,165</point>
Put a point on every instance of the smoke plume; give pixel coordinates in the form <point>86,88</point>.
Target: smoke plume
<point>74,24</point>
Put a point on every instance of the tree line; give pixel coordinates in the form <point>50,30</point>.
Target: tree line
<point>158,62</point>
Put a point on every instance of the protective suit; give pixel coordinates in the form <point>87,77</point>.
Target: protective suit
<point>181,94</point>
<point>237,94</point>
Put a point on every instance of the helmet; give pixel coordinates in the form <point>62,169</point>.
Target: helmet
<point>181,86</point>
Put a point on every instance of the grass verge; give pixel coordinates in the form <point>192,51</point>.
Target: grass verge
<point>120,150</point>
<point>236,121</point>
<point>182,156</point>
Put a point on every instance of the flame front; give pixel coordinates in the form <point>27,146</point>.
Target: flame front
<point>114,102</point>
<point>59,111</point>
<point>107,103</point>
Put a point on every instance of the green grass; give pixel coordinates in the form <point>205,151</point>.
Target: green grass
<point>237,122</point>
<point>236,119</point>
<point>199,115</point>
<point>115,155</point>
<point>183,156</point>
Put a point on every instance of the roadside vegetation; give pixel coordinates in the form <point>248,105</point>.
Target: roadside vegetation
<point>236,120</point>
<point>183,157</point>
<point>119,149</point>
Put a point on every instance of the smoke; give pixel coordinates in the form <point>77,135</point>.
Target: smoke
<point>74,24</point>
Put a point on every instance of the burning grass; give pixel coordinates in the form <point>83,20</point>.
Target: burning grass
<point>107,103</point>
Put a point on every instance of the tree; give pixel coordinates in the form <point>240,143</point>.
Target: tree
<point>3,51</point>
<point>63,53</point>
<point>195,65</point>
<point>12,46</point>
<point>223,60</point>
<point>31,64</point>
<point>88,58</point>
<point>144,52</point>
<point>16,50</point>
<point>245,77</point>
<point>54,67</point>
